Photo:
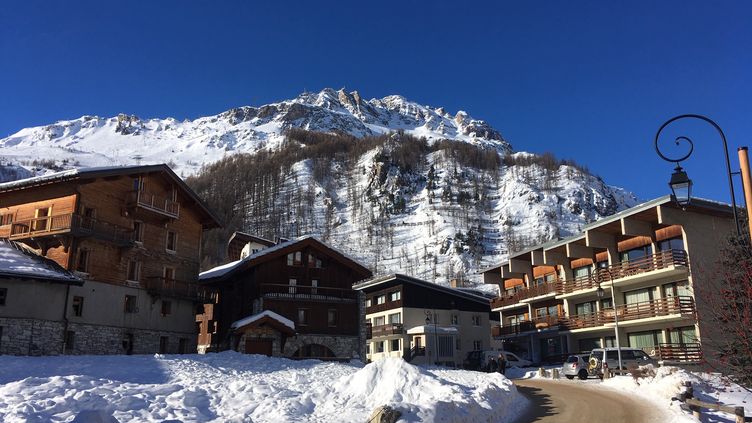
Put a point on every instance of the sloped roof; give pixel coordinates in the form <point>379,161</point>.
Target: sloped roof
<point>227,270</point>
<point>279,322</point>
<point>375,282</point>
<point>19,261</point>
<point>110,171</point>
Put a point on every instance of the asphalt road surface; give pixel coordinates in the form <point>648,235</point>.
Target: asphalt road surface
<point>570,401</point>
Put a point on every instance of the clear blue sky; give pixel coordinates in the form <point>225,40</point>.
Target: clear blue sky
<point>590,81</point>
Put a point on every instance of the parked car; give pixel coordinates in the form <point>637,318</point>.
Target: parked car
<point>576,365</point>
<point>478,360</point>
<point>630,357</point>
<point>514,361</point>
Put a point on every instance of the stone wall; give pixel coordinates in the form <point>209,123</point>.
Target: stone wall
<point>342,346</point>
<point>30,337</point>
<point>45,337</point>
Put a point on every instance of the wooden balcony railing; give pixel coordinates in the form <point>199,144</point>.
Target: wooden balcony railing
<point>388,305</point>
<point>302,292</point>
<point>539,323</point>
<point>156,203</point>
<point>660,260</point>
<point>178,289</point>
<point>389,329</point>
<point>680,353</point>
<point>64,223</point>
<point>661,307</point>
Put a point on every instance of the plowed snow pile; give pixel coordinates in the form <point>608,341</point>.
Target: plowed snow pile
<point>240,388</point>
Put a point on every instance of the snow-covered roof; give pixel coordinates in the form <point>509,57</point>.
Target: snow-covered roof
<point>409,279</point>
<point>228,268</point>
<point>451,330</point>
<point>267,313</point>
<point>19,261</point>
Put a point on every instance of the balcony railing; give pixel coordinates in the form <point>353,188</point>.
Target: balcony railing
<point>681,305</point>
<point>64,223</point>
<point>389,329</point>
<point>660,260</point>
<point>302,292</point>
<point>168,287</point>
<point>156,203</point>
<point>538,323</point>
<point>679,353</point>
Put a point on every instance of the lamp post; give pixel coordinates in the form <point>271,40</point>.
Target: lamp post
<point>600,293</point>
<point>681,185</point>
<point>432,315</point>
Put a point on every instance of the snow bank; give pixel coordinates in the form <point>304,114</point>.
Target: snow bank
<point>668,383</point>
<point>233,387</point>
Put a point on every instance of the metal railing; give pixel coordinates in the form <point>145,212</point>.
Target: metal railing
<point>68,222</point>
<point>157,203</point>
<point>169,287</point>
<point>302,292</point>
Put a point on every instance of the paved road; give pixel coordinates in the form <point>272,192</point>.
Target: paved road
<point>570,401</point>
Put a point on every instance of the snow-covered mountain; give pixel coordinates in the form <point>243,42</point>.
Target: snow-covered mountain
<point>126,139</point>
<point>435,209</point>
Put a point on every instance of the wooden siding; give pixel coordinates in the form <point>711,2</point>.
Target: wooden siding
<point>540,271</point>
<point>511,283</point>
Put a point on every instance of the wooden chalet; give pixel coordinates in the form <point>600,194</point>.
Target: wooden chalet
<point>304,281</point>
<point>134,235</point>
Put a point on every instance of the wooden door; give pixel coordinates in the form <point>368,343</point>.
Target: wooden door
<point>258,346</point>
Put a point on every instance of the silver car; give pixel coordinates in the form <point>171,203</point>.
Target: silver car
<point>576,365</point>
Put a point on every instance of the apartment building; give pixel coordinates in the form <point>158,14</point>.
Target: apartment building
<point>423,322</point>
<point>294,299</point>
<point>640,269</point>
<point>133,235</point>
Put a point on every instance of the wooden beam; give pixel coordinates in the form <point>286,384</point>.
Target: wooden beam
<point>599,239</point>
<point>580,251</point>
<point>536,258</point>
<point>632,227</point>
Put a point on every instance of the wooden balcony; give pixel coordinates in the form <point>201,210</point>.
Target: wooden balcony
<point>164,287</point>
<point>155,203</point>
<point>307,293</point>
<point>386,330</point>
<point>388,305</point>
<point>679,353</point>
<point>653,262</point>
<point>683,306</point>
<point>539,323</point>
<point>69,223</point>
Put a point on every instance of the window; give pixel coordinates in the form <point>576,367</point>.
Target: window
<point>172,241</point>
<point>551,277</point>
<point>368,348</point>
<point>395,318</point>
<point>294,259</point>
<point>368,302</point>
<point>41,223</point>
<point>332,317</point>
<point>70,337</point>
<point>609,341</point>
<point>606,303</point>
<point>3,295</point>
<point>298,258</point>
<point>671,244</point>
<point>78,306</point>
<point>395,296</point>
<point>302,316</point>
<point>169,274</point>
<point>83,261</point>
<point>602,264</point>
<point>636,253</point>
<point>647,339</point>
<point>313,262</point>
<point>163,340</point>
<point>540,312</point>
<point>138,231</point>
<point>638,296</point>
<point>553,310</point>
<point>182,345</point>
<point>581,272</point>
<point>395,345</point>
<point>477,345</point>
<point>682,335</point>
<point>134,268</point>
<point>314,285</point>
<point>455,319</point>
<point>6,219</point>
<point>166,308</point>
<point>138,184</point>
<point>130,304</point>
<point>476,320</point>
<point>379,321</point>
<point>290,258</point>
<point>293,286</point>
<point>381,299</point>
<point>379,346</point>
<point>446,346</point>
<point>585,308</point>
<point>538,281</point>
<point>588,344</point>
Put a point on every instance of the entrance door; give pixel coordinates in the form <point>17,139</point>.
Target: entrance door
<point>258,346</point>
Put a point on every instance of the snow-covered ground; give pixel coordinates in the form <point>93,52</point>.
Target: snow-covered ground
<point>242,388</point>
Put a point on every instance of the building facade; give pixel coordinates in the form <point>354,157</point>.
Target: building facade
<point>423,322</point>
<point>639,269</point>
<point>133,235</point>
<point>302,281</point>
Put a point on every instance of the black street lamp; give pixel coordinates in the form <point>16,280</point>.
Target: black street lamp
<point>681,185</point>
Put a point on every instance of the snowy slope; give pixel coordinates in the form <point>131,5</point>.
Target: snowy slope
<point>232,387</point>
<point>124,139</point>
<point>437,221</point>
